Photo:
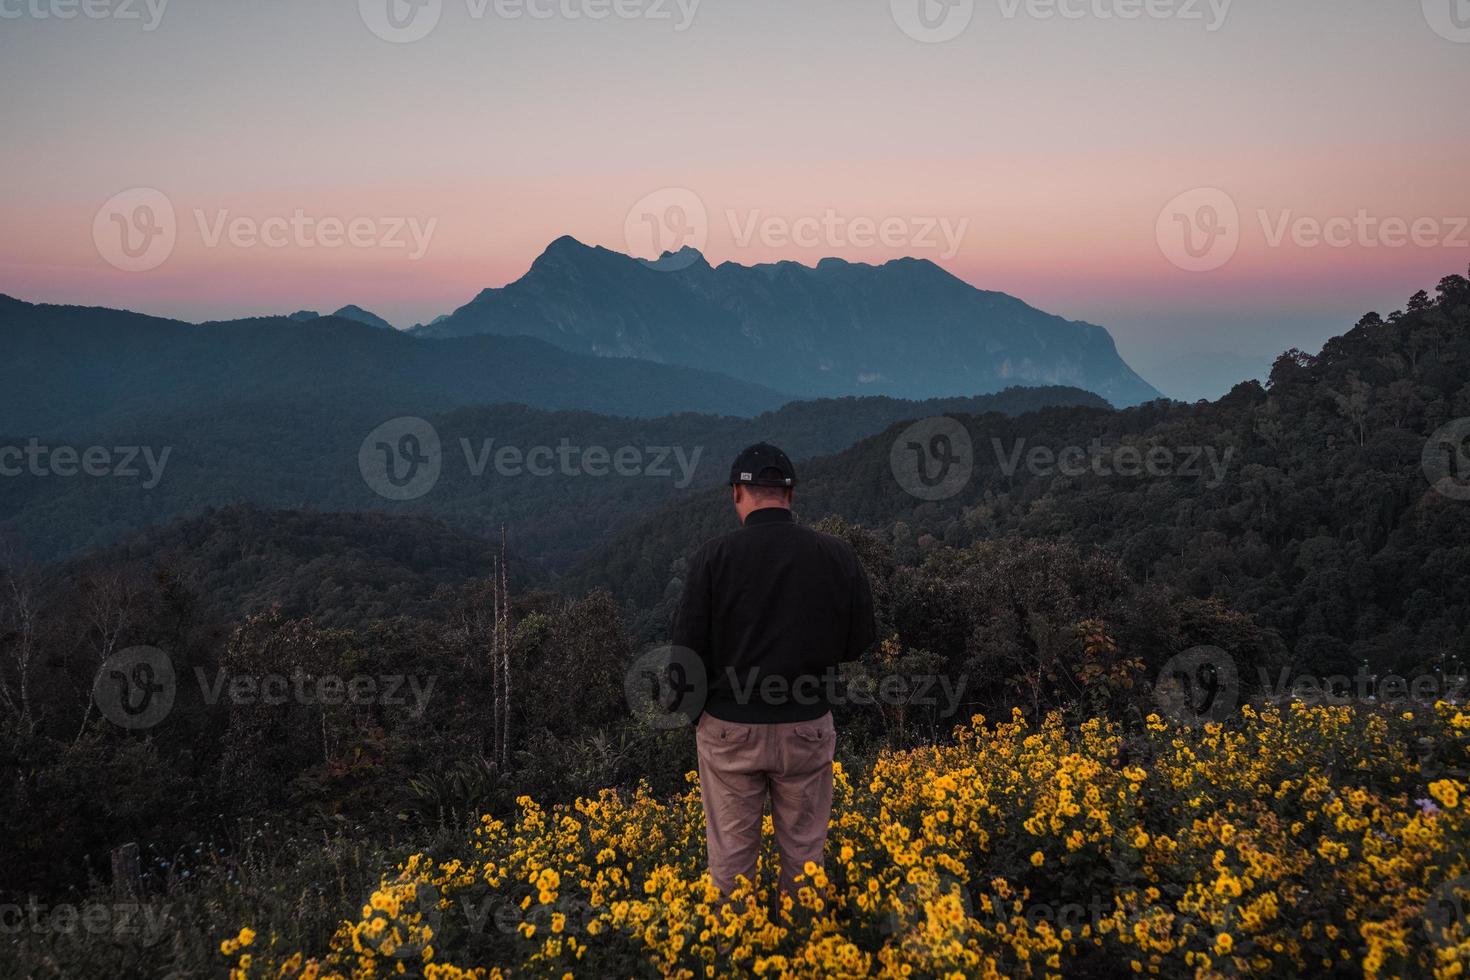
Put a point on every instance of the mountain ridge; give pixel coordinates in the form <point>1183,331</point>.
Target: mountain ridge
<point>906,328</point>
<point>75,367</point>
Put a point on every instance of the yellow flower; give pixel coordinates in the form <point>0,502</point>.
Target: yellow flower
<point>1447,792</point>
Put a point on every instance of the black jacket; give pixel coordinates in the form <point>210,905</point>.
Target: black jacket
<point>771,610</point>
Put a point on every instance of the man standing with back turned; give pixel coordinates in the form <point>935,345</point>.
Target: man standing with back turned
<point>771,610</point>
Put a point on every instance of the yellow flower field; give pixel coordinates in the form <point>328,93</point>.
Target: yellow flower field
<point>1305,841</point>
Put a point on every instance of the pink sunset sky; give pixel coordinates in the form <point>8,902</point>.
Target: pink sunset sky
<point>1049,145</point>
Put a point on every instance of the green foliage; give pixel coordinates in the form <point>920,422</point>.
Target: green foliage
<point>1322,548</point>
<point>1322,527</point>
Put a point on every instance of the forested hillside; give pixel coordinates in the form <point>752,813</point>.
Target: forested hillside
<point>1055,601</point>
<point>337,569</point>
<point>301,453</point>
<point>1303,503</point>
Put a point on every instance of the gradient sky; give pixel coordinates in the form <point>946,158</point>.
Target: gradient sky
<point>1056,143</point>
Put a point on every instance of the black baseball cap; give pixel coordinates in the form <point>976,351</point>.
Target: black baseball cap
<point>753,459</point>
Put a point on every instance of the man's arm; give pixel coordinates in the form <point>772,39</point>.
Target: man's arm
<point>862,629</point>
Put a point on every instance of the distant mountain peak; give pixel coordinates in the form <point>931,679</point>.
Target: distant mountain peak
<point>685,258</point>
<point>301,316</point>
<point>353,312</point>
<point>566,243</point>
<point>907,328</point>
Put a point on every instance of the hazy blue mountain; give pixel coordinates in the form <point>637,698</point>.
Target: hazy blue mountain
<point>75,368</point>
<point>352,312</point>
<point>301,316</point>
<point>906,328</point>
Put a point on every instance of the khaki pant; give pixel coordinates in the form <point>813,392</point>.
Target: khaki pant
<point>738,766</point>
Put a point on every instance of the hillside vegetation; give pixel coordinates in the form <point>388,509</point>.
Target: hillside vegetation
<point>304,452</point>
<point>1253,830</point>
<point>1308,507</point>
<point>1285,845</point>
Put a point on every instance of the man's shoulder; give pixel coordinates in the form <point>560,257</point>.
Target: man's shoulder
<point>740,537</point>
<point>715,546</point>
<point>834,545</point>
